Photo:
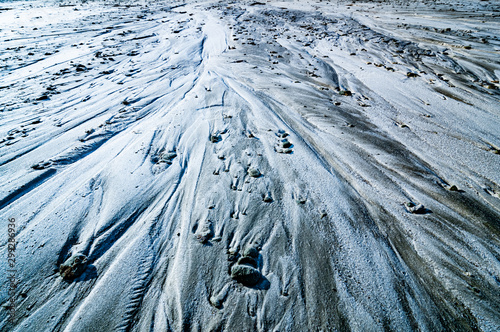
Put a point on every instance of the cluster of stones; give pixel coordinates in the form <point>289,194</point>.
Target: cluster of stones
<point>284,145</point>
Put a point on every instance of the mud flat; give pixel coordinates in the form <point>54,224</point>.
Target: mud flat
<point>251,166</point>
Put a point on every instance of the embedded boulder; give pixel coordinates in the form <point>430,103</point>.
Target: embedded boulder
<point>214,138</point>
<point>73,267</point>
<point>167,157</point>
<point>416,208</point>
<point>254,172</point>
<point>285,143</point>
<point>245,274</point>
<point>251,252</point>
<point>247,261</point>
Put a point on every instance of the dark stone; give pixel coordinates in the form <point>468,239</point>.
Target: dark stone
<point>232,256</point>
<point>214,138</point>
<point>251,252</point>
<point>286,151</point>
<point>167,156</point>
<point>285,143</point>
<point>254,172</point>
<point>416,208</point>
<point>41,165</point>
<point>216,302</point>
<point>43,97</point>
<point>73,267</point>
<point>268,198</point>
<point>248,261</point>
<point>81,67</point>
<point>245,275</point>
<point>204,237</point>
<point>282,133</point>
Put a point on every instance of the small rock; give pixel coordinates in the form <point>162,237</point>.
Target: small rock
<point>251,252</point>
<point>73,267</point>
<point>268,198</point>
<point>204,237</point>
<point>410,74</point>
<point>167,156</point>
<point>282,133</point>
<point>214,138</point>
<point>247,260</point>
<point>232,256</point>
<point>286,151</point>
<point>285,143</point>
<point>301,200</point>
<point>254,172</point>
<point>415,208</point>
<point>43,97</point>
<point>216,302</point>
<point>41,165</point>
<point>81,67</point>
<point>246,275</point>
